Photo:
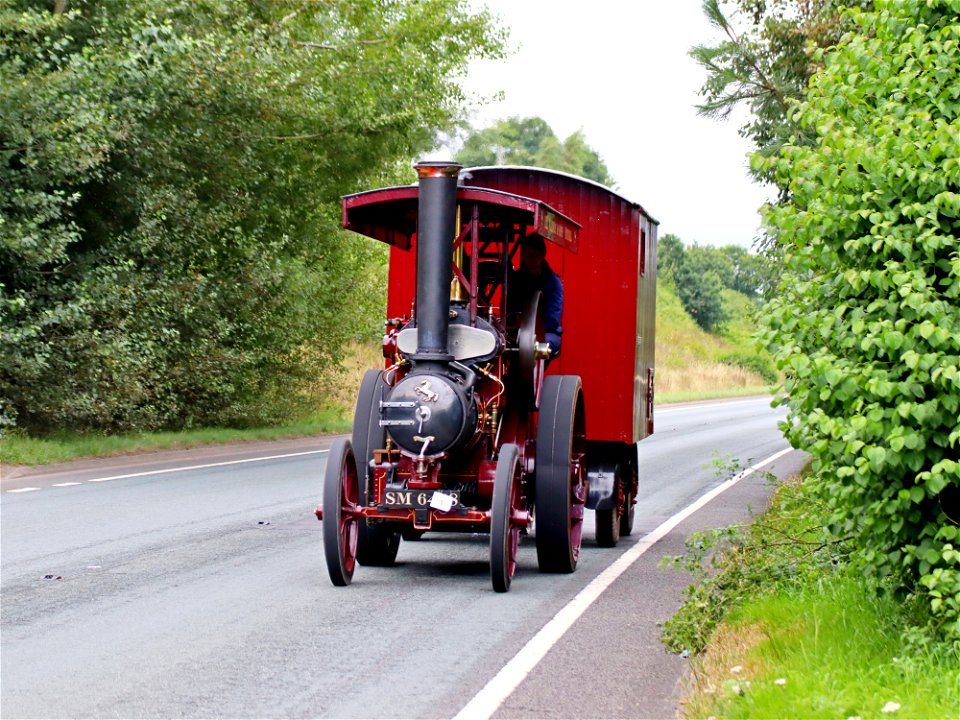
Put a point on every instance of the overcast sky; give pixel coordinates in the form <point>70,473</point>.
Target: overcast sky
<point>619,69</point>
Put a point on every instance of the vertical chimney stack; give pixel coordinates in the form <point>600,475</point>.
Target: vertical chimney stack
<point>435,232</point>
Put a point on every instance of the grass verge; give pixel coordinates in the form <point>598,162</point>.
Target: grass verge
<point>715,394</point>
<point>335,393</point>
<point>18,449</point>
<point>780,626</point>
<point>833,649</point>
<point>690,360</point>
<point>63,446</point>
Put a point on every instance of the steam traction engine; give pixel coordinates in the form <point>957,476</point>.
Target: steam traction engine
<point>464,430</point>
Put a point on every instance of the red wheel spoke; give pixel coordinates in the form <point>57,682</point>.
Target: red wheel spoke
<point>506,518</point>
<point>341,527</point>
<point>514,550</point>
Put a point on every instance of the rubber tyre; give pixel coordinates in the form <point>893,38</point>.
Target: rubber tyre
<point>378,544</point>
<point>341,492</point>
<point>608,527</point>
<point>626,520</point>
<point>560,488</point>
<point>504,533</point>
<point>610,521</point>
<point>630,505</point>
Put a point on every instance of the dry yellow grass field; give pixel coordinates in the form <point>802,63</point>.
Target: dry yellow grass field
<point>689,360</point>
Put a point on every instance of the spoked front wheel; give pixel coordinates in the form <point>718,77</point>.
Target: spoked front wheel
<point>504,530</point>
<point>377,544</point>
<point>560,470</point>
<point>341,512</point>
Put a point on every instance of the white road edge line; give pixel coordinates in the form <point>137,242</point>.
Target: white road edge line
<point>486,702</point>
<point>700,404</point>
<point>208,465</point>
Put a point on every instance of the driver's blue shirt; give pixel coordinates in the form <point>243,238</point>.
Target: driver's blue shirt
<point>523,284</point>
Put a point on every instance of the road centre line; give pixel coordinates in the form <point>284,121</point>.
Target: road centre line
<point>179,469</point>
<point>691,406</point>
<point>208,465</point>
<point>486,702</point>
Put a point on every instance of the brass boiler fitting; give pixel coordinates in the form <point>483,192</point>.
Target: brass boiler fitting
<point>492,418</point>
<point>542,351</point>
<point>457,291</point>
<point>492,415</point>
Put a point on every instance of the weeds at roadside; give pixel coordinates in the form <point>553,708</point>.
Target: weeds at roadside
<point>829,649</point>
<point>779,625</point>
<point>781,549</point>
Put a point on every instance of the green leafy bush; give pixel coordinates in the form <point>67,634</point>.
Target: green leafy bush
<point>780,551</point>
<point>866,323</point>
<point>759,364</point>
<point>169,180</point>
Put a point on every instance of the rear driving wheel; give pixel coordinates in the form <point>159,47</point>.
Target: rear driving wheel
<point>560,474</point>
<point>377,544</point>
<point>504,530</point>
<point>341,521</point>
<point>530,333</point>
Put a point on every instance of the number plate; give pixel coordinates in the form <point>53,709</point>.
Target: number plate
<point>417,498</point>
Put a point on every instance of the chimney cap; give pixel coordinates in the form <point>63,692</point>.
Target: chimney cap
<point>438,168</point>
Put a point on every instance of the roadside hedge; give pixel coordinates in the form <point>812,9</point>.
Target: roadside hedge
<point>866,322</point>
<point>170,252</point>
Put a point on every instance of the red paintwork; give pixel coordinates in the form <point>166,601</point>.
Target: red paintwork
<point>609,284</point>
<point>609,295</point>
<point>390,214</point>
<point>604,249</point>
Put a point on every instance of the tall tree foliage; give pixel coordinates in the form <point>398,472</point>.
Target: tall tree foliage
<point>764,61</point>
<point>531,141</point>
<point>866,323</point>
<point>169,171</point>
<point>701,272</point>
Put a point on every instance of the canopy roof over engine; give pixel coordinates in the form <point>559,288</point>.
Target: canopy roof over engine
<point>390,214</point>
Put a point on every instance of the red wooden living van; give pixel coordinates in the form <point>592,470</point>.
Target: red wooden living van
<point>609,295</point>
<point>476,423</point>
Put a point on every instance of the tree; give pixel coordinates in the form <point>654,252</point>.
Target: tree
<point>531,141</point>
<point>866,322</point>
<point>700,273</point>
<point>670,254</point>
<point>169,243</point>
<point>700,288</point>
<point>749,273</point>
<point>766,64</point>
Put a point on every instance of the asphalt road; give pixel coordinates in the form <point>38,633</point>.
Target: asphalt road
<point>193,585</point>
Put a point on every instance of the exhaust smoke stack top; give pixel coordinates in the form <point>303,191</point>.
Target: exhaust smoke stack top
<point>436,227</point>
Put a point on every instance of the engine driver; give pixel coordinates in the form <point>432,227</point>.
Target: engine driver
<point>535,274</point>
